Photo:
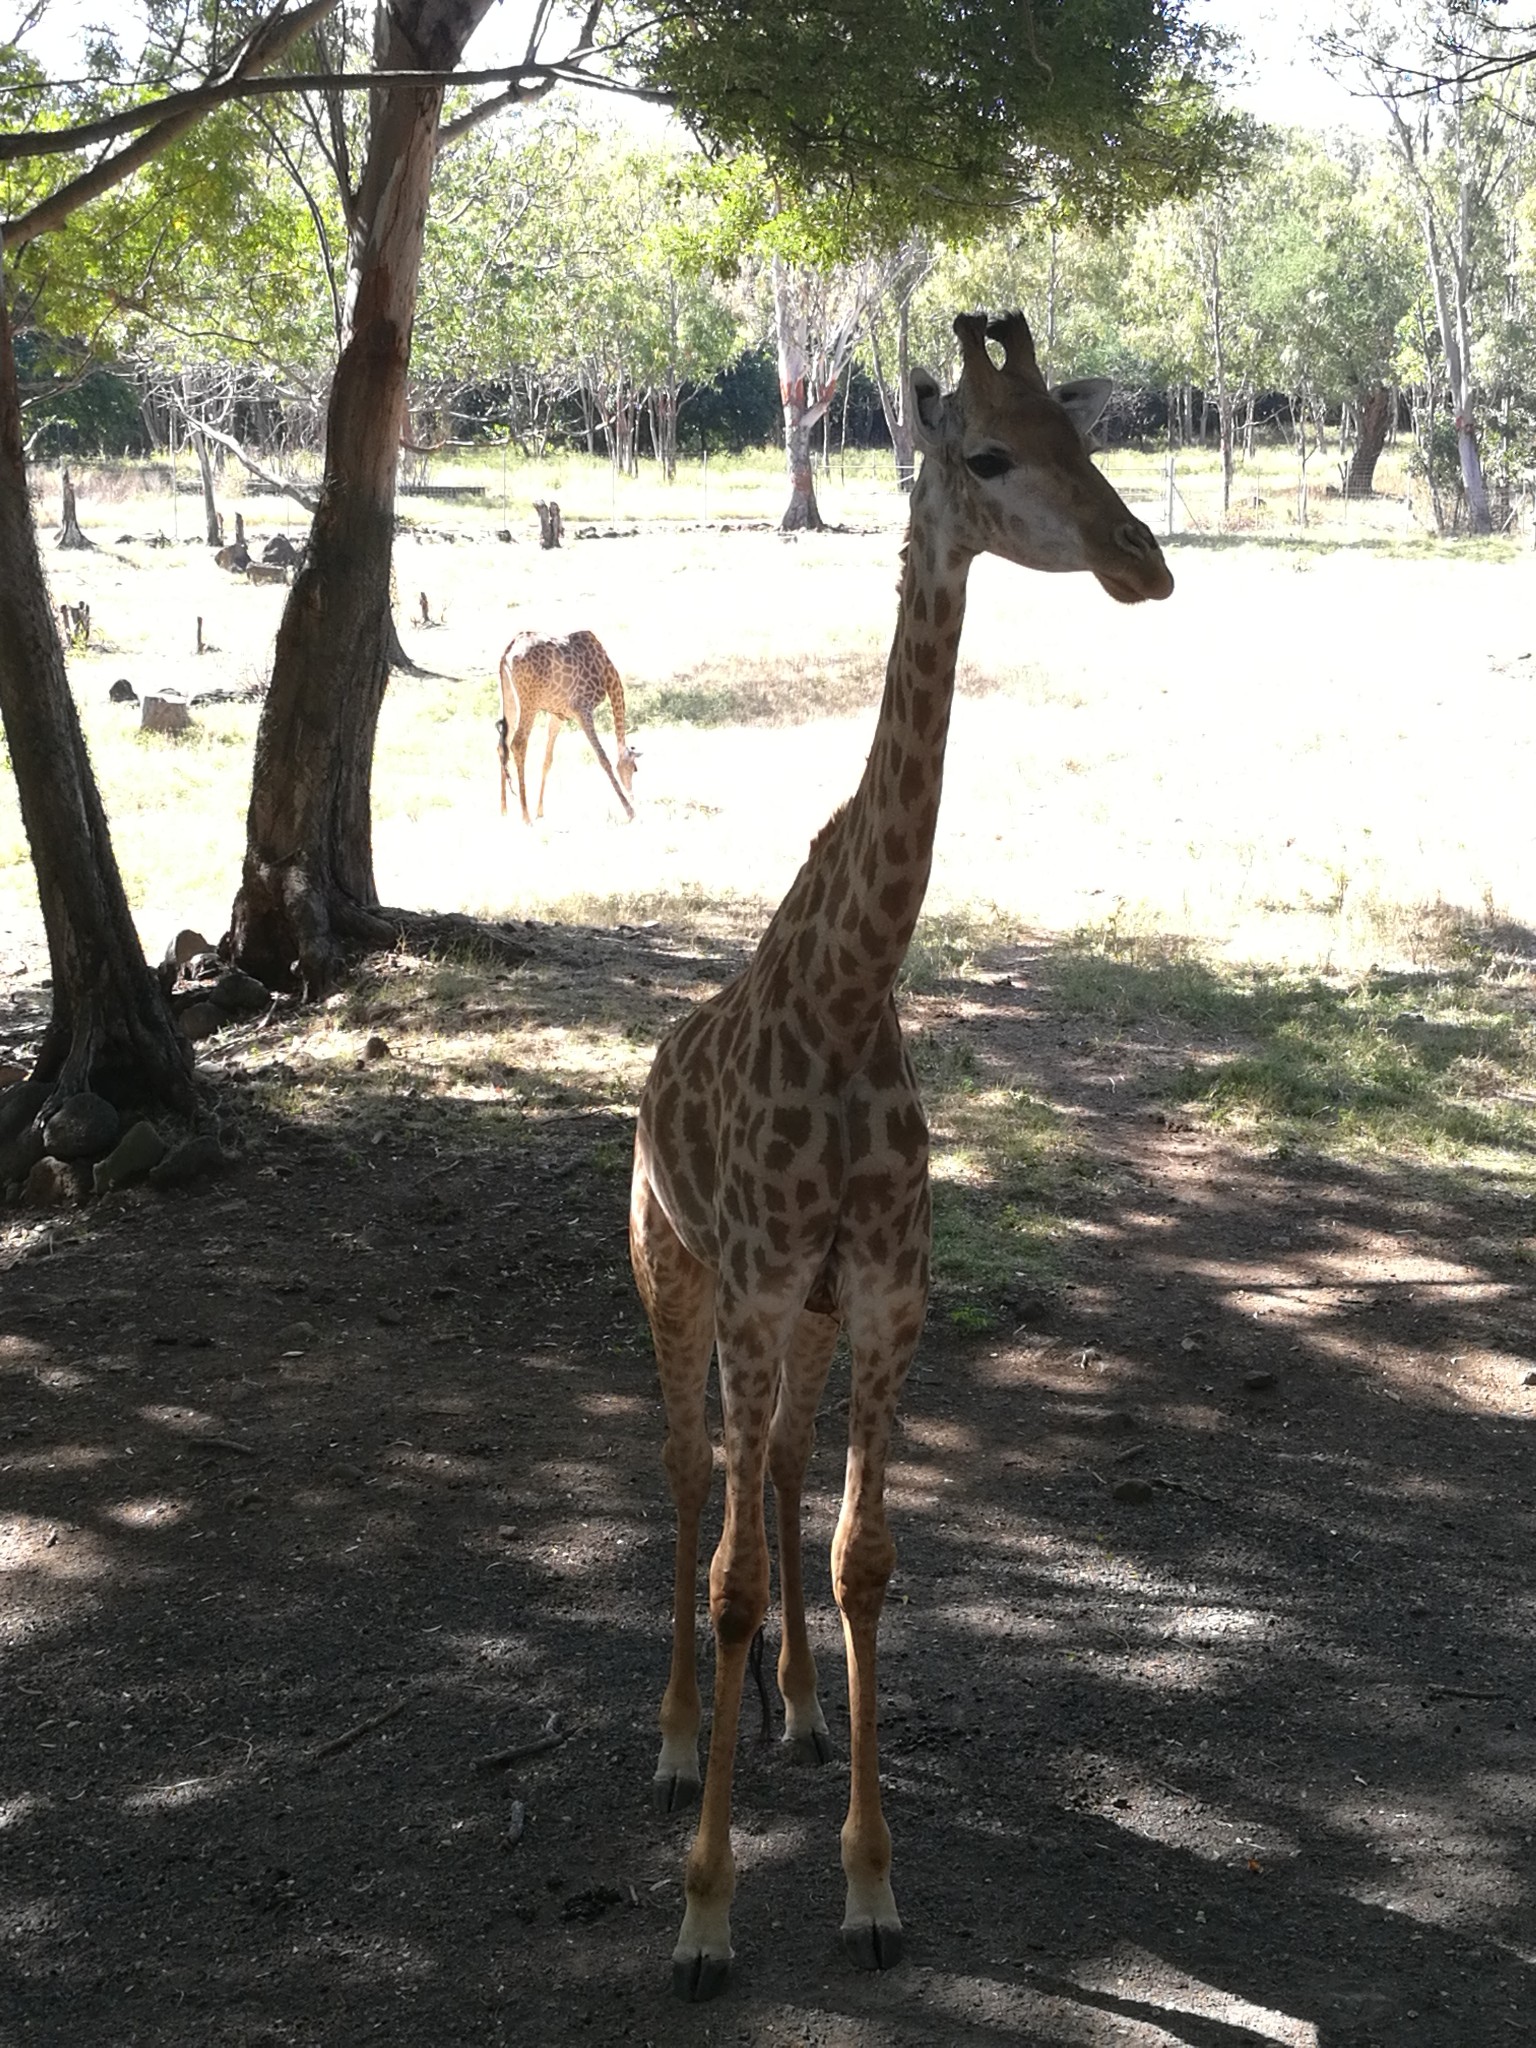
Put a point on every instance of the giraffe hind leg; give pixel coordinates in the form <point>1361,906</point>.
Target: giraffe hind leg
<point>520,756</point>
<point>554,722</point>
<point>791,1437</point>
<point>678,1294</point>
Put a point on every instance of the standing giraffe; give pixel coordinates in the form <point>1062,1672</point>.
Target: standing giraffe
<point>781,1160</point>
<point>568,675</point>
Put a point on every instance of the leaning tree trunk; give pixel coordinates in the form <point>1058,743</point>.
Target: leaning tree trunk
<point>307,887</point>
<point>110,1030</point>
<point>1375,419</point>
<point>214,525</point>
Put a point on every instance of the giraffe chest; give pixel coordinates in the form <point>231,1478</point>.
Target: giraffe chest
<point>755,1142</point>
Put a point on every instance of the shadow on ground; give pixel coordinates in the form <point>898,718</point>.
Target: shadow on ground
<point>335,1556</point>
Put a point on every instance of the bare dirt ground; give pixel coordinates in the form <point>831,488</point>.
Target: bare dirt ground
<point>336,1555</point>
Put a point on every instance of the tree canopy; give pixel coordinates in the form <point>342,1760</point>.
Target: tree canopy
<point>920,114</point>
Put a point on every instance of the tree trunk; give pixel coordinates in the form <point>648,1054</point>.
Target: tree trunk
<point>894,402</point>
<point>70,535</point>
<point>110,1030</point>
<point>801,515</point>
<point>1375,416</point>
<point>1449,278</point>
<point>308,886</point>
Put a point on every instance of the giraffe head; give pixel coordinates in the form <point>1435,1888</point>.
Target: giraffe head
<point>1016,471</point>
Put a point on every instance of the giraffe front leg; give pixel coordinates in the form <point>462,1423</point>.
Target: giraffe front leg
<point>789,1449</point>
<point>863,1556</point>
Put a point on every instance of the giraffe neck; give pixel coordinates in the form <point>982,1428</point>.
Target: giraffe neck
<point>849,919</point>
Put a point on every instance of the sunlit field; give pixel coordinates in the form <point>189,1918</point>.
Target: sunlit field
<point>1318,753</point>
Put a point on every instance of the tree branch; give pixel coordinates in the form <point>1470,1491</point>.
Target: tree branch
<point>266,42</point>
<point>450,132</point>
<point>185,107</point>
<point>307,499</point>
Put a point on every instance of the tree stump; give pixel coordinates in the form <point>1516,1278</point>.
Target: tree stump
<point>70,535</point>
<point>76,621</point>
<point>551,525</point>
<point>165,714</point>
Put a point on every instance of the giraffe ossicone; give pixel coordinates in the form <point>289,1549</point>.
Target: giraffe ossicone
<point>780,1188</point>
<point>566,675</point>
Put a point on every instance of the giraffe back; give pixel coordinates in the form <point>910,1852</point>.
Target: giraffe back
<point>562,673</point>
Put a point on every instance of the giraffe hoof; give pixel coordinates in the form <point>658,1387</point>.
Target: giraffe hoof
<point>872,1947</point>
<point>671,1791</point>
<point>810,1746</point>
<point>698,1978</point>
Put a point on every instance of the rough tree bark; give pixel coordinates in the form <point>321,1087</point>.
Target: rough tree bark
<point>307,889</point>
<point>1375,408</point>
<point>110,1031</point>
<point>801,409</point>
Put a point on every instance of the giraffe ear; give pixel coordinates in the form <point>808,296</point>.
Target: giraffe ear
<point>927,411</point>
<point>1084,400</point>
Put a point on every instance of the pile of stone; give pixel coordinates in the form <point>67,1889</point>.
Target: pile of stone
<point>55,1154</point>
<point>123,692</point>
<point>204,993</point>
<point>56,1158</point>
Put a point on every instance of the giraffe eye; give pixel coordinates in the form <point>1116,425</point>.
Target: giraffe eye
<point>989,462</point>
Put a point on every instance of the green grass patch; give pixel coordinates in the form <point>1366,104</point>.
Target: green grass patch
<point>1414,546</point>
<point>1436,1066</point>
<point>953,945</point>
<point>1120,978</point>
<point>1005,1173</point>
<point>794,689</point>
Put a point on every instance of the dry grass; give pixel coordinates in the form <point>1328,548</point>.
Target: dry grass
<point>1312,756</point>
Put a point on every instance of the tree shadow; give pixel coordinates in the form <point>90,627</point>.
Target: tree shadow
<point>328,1483</point>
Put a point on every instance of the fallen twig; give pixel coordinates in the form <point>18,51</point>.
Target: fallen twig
<point>1464,1692</point>
<point>229,1443</point>
<point>552,1738</point>
<point>356,1733</point>
<point>1215,1500</point>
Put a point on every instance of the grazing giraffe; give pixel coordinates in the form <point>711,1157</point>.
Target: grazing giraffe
<point>781,1160</point>
<point>568,675</point>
